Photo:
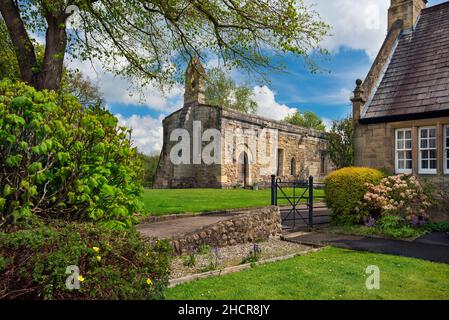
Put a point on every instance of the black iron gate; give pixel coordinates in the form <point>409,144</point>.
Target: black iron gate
<point>300,205</point>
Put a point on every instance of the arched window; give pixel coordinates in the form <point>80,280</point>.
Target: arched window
<point>292,167</point>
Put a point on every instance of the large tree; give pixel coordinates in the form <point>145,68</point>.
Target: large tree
<point>308,119</point>
<point>151,39</point>
<point>221,90</point>
<point>341,143</point>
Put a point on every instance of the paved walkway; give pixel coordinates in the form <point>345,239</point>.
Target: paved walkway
<point>169,228</point>
<point>433,247</point>
<point>177,226</point>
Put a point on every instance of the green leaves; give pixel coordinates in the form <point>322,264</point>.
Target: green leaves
<point>13,161</point>
<point>154,38</point>
<point>64,161</point>
<point>308,119</point>
<point>222,91</point>
<point>21,102</point>
<point>15,119</point>
<point>341,143</point>
<point>2,203</point>
<point>63,157</point>
<point>7,190</point>
<point>35,167</point>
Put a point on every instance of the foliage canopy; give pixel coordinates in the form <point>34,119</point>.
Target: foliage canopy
<point>341,143</point>
<point>151,39</point>
<point>308,119</point>
<point>221,90</point>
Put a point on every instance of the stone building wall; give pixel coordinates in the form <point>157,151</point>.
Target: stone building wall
<point>374,146</point>
<point>252,226</point>
<point>188,175</point>
<point>305,146</point>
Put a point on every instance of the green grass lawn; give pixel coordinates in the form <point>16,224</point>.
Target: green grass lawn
<point>160,202</point>
<point>328,274</point>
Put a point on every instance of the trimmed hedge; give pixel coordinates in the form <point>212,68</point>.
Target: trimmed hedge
<point>345,189</point>
<point>112,264</point>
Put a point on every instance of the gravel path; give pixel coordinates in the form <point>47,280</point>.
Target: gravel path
<point>232,256</point>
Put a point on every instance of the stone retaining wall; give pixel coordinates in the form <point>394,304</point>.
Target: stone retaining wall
<point>252,226</point>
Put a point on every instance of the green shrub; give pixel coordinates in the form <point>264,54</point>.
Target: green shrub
<point>113,264</point>
<point>345,189</point>
<point>396,227</point>
<point>189,260</point>
<point>59,160</point>
<point>441,226</point>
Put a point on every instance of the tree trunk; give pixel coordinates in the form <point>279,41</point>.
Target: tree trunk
<point>49,74</point>
<point>19,37</point>
<point>55,46</point>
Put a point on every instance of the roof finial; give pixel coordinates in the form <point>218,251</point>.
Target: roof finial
<point>195,82</point>
<point>358,101</point>
<point>358,92</point>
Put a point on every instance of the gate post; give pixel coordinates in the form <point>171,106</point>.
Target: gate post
<point>311,202</point>
<point>273,190</point>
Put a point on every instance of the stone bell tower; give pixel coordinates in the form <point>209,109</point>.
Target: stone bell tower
<point>195,83</point>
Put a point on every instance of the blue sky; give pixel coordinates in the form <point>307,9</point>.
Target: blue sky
<point>359,27</point>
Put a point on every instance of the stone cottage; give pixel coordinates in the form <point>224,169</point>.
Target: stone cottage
<point>212,147</point>
<point>401,110</point>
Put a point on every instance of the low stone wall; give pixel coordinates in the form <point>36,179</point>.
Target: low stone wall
<point>252,226</point>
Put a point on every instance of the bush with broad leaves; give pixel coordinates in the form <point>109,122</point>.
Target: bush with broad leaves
<point>59,160</point>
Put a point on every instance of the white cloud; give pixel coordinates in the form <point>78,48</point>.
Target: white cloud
<point>327,123</point>
<point>357,24</point>
<point>342,96</point>
<point>267,105</point>
<point>118,90</point>
<point>147,134</point>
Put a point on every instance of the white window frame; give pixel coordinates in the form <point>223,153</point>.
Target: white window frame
<point>397,150</point>
<point>446,148</point>
<point>427,171</point>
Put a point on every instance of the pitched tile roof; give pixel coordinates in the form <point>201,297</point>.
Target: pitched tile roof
<point>416,81</point>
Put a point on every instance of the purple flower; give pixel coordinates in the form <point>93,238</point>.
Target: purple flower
<point>370,222</point>
<point>216,252</point>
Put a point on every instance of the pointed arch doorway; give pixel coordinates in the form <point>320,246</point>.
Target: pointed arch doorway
<point>243,170</point>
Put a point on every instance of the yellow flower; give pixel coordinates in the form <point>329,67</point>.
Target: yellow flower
<point>98,258</point>
<point>147,254</point>
<point>149,282</point>
<point>96,249</point>
<point>80,278</point>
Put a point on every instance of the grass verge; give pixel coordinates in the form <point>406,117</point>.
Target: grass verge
<point>330,274</point>
<point>163,202</point>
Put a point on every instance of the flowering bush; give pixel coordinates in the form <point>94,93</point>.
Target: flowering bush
<point>401,196</point>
